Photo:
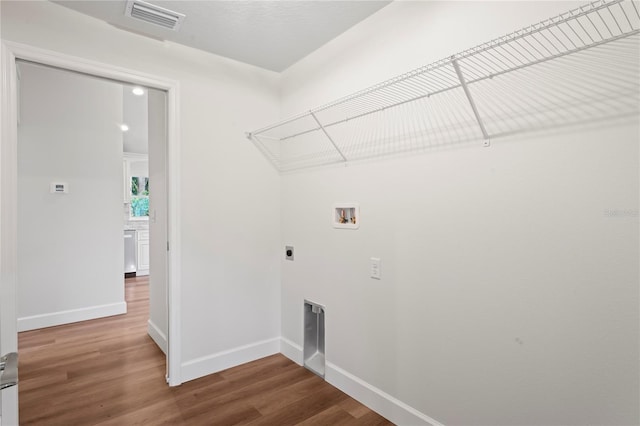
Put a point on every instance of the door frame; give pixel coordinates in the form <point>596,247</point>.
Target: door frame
<point>11,52</point>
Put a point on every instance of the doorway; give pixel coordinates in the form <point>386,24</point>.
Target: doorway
<point>69,204</point>
<point>75,135</point>
<point>8,217</point>
<point>92,139</point>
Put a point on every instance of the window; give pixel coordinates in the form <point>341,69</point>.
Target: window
<point>139,197</point>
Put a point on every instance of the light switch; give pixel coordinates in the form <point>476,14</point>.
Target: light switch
<point>375,268</point>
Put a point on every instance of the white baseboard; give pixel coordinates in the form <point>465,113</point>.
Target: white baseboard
<point>158,336</point>
<point>291,350</point>
<point>226,359</point>
<point>73,315</point>
<point>382,403</point>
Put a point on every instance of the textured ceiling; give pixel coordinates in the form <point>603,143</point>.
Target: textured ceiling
<point>268,34</point>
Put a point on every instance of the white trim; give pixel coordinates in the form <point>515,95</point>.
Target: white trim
<point>157,335</point>
<point>379,401</point>
<point>291,350</point>
<point>86,66</point>
<point>210,364</point>
<point>69,316</point>
<point>8,196</point>
<point>174,255</point>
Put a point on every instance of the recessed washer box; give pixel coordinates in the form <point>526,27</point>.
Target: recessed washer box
<point>345,216</point>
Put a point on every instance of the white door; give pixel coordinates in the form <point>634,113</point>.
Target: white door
<point>8,324</point>
<point>8,237</point>
<point>158,219</point>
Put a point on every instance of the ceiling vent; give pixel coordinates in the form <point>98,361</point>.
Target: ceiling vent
<point>154,14</point>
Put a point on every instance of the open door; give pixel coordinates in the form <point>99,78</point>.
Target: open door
<point>158,325</point>
<point>8,364</point>
<point>9,381</point>
<point>8,235</point>
<point>8,324</point>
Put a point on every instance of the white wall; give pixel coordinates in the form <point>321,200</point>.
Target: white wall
<point>509,294</point>
<point>229,194</point>
<point>136,115</point>
<point>139,167</point>
<point>70,247</point>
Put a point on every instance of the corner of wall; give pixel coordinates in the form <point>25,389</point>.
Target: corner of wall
<point>157,335</point>
<point>291,350</point>
<point>213,363</point>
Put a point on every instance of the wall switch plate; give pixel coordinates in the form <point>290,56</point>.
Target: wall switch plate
<point>288,252</point>
<point>375,270</point>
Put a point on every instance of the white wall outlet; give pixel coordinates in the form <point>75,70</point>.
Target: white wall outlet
<point>59,188</point>
<point>375,270</point>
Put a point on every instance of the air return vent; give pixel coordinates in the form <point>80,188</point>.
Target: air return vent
<point>154,14</point>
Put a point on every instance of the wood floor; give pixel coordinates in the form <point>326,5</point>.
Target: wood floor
<point>109,372</point>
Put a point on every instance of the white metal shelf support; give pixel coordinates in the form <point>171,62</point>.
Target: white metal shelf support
<point>328,136</point>
<point>463,83</point>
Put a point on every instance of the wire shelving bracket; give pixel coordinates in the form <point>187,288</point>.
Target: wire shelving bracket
<point>582,66</point>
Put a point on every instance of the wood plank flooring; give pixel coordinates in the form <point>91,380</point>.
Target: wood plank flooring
<point>109,372</point>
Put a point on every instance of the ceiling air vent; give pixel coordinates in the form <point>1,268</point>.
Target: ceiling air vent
<point>154,14</point>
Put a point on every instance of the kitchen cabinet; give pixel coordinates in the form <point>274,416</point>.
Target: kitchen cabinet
<point>143,252</point>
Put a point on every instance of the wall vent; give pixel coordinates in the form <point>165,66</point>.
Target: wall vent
<point>154,14</point>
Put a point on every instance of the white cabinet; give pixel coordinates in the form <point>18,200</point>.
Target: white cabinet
<point>143,253</point>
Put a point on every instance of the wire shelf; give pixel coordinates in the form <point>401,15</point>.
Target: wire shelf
<point>579,67</point>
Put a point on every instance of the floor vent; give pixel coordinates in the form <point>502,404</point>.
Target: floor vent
<point>154,14</point>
